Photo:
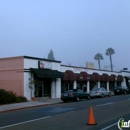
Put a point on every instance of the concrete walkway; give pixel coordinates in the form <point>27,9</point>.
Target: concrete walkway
<point>39,102</point>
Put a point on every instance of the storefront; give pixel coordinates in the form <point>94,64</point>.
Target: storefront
<point>49,78</point>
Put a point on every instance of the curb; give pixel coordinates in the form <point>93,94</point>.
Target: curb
<point>20,108</point>
<point>27,107</point>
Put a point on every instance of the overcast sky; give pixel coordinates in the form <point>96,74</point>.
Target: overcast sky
<point>74,29</point>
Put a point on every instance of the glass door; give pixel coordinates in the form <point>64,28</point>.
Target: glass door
<point>40,89</point>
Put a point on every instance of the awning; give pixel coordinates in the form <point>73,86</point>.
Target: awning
<point>112,77</point>
<point>80,77</point>
<point>65,77</point>
<point>69,75</point>
<point>106,77</point>
<point>97,77</point>
<point>85,75</point>
<point>47,73</point>
<point>119,78</point>
<point>102,78</point>
<point>92,77</point>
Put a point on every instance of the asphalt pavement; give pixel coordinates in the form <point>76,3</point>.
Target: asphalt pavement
<point>30,104</point>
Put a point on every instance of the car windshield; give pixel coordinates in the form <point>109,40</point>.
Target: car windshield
<point>117,87</point>
<point>69,91</point>
<point>95,89</point>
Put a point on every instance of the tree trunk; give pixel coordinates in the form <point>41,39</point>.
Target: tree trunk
<point>99,64</point>
<point>111,63</point>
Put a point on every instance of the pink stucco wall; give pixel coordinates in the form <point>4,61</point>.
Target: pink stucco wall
<point>12,74</point>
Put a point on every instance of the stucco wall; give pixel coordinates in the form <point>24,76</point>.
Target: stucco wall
<point>11,74</point>
<point>33,63</point>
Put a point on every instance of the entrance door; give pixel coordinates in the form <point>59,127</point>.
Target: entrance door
<point>40,89</point>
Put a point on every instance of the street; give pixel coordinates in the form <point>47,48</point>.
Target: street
<point>70,116</point>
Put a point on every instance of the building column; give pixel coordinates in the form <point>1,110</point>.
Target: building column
<point>123,83</point>
<point>115,82</point>
<point>74,84</point>
<point>88,86</point>
<point>98,84</point>
<point>58,88</point>
<point>53,88</point>
<point>107,85</point>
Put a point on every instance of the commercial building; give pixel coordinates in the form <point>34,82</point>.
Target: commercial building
<point>30,76</point>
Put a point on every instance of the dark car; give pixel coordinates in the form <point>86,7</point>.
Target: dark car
<point>75,94</point>
<point>121,90</point>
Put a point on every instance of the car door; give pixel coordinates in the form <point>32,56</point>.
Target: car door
<point>105,92</point>
<point>81,93</point>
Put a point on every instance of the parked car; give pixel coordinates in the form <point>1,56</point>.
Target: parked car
<point>99,92</point>
<point>121,90</point>
<point>75,94</point>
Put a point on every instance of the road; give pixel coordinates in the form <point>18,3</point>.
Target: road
<point>70,116</point>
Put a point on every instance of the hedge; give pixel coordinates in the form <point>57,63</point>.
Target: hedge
<point>8,97</point>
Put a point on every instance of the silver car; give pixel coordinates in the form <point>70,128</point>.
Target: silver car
<point>99,92</point>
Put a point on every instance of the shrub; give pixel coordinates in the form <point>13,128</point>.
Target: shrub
<point>7,97</point>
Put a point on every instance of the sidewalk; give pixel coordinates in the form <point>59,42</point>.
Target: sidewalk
<point>30,104</point>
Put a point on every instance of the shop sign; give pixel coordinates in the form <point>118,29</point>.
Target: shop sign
<point>80,69</point>
<point>44,64</point>
<point>88,77</point>
<point>81,77</point>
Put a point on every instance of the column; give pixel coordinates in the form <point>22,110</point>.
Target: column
<point>123,83</point>
<point>58,88</point>
<point>107,85</point>
<point>74,84</point>
<point>88,86</point>
<point>98,84</point>
<point>53,92</point>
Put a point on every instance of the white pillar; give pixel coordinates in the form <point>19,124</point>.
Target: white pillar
<point>74,84</point>
<point>107,85</point>
<point>123,83</point>
<point>88,87</point>
<point>53,92</point>
<point>58,88</point>
<point>98,84</point>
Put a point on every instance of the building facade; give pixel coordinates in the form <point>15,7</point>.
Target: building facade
<point>37,77</point>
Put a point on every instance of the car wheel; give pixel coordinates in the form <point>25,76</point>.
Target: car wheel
<point>64,101</point>
<point>109,95</point>
<point>125,93</point>
<point>102,95</point>
<point>77,99</point>
<point>88,97</point>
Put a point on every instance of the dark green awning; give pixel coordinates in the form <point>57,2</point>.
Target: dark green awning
<point>47,73</point>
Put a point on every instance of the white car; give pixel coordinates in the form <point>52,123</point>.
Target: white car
<point>99,92</point>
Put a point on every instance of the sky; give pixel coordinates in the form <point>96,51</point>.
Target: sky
<point>76,30</point>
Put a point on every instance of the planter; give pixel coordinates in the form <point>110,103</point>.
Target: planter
<point>33,98</point>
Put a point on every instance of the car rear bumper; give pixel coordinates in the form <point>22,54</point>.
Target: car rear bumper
<point>95,95</point>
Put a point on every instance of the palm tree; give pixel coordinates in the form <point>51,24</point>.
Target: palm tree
<point>110,52</point>
<point>98,57</point>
